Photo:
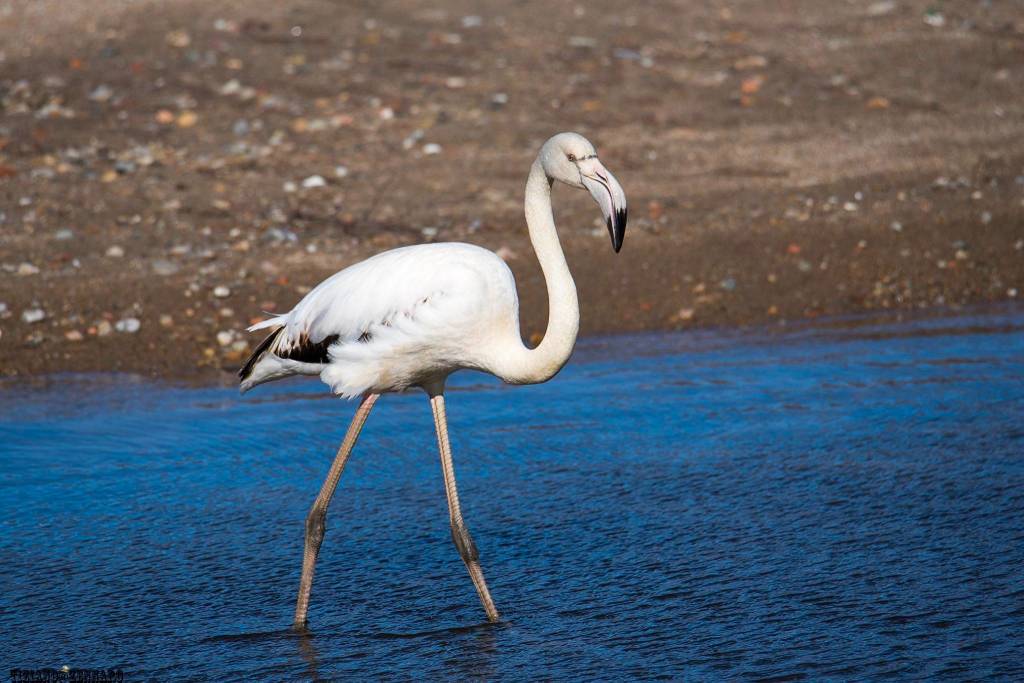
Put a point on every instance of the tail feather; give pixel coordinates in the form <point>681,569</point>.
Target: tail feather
<point>262,349</point>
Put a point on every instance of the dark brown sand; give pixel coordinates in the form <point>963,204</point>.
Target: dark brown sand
<point>783,161</point>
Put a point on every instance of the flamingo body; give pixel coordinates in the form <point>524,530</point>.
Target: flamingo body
<point>406,317</point>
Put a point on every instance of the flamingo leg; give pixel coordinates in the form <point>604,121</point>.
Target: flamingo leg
<point>460,534</point>
<point>315,526</point>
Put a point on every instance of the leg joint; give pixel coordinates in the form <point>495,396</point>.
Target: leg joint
<point>316,526</point>
<point>464,542</point>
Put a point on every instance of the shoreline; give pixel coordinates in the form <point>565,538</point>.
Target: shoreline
<point>849,324</point>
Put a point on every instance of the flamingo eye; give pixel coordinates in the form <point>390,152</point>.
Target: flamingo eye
<point>571,157</point>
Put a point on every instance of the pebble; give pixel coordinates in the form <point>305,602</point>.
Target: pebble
<point>431,148</point>
<point>27,269</point>
<point>178,38</point>
<point>878,9</point>
<point>4,311</point>
<point>986,217</point>
<point>685,314</point>
<point>728,284</point>
<point>128,325</point>
<point>341,171</point>
<point>410,141</point>
<point>101,93</point>
<point>221,292</point>
<point>750,62</point>
<point>289,186</point>
<point>582,41</point>
<point>506,254</point>
<point>225,337</point>
<point>103,328</point>
<point>314,181</point>
<point>73,335</point>
<point>165,267</point>
<point>63,234</point>
<point>896,226</point>
<point>166,320</point>
<point>33,315</point>
<point>187,119</point>
<point>115,251</point>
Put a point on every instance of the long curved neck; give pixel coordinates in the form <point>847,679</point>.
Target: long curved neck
<point>542,363</point>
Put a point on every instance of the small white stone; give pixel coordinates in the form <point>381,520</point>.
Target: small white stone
<point>115,251</point>
<point>877,9</point>
<point>27,269</point>
<point>341,171</point>
<point>221,292</point>
<point>128,325</point>
<point>289,186</point>
<point>101,93</point>
<point>33,315</point>
<point>314,181</point>
<point>431,148</point>
<point>225,337</point>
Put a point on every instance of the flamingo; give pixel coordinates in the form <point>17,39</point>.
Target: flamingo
<point>410,317</point>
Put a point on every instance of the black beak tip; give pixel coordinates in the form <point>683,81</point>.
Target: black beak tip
<point>617,228</point>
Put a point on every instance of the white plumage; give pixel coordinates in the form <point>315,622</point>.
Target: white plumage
<point>412,316</point>
<point>401,318</point>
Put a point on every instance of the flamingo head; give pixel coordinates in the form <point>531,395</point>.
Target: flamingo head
<point>571,159</point>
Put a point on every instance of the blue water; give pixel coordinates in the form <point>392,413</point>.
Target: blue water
<point>823,504</point>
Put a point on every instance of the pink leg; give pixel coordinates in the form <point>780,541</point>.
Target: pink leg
<point>315,527</point>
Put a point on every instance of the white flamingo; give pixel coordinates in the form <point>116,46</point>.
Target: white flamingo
<point>411,316</point>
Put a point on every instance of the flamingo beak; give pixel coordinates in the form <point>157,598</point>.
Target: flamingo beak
<point>609,196</point>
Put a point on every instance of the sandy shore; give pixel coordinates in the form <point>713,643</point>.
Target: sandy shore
<point>170,170</point>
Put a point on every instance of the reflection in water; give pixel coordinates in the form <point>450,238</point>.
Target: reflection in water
<point>307,650</point>
<point>825,503</point>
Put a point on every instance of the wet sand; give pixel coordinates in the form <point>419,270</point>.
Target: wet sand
<point>169,170</point>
